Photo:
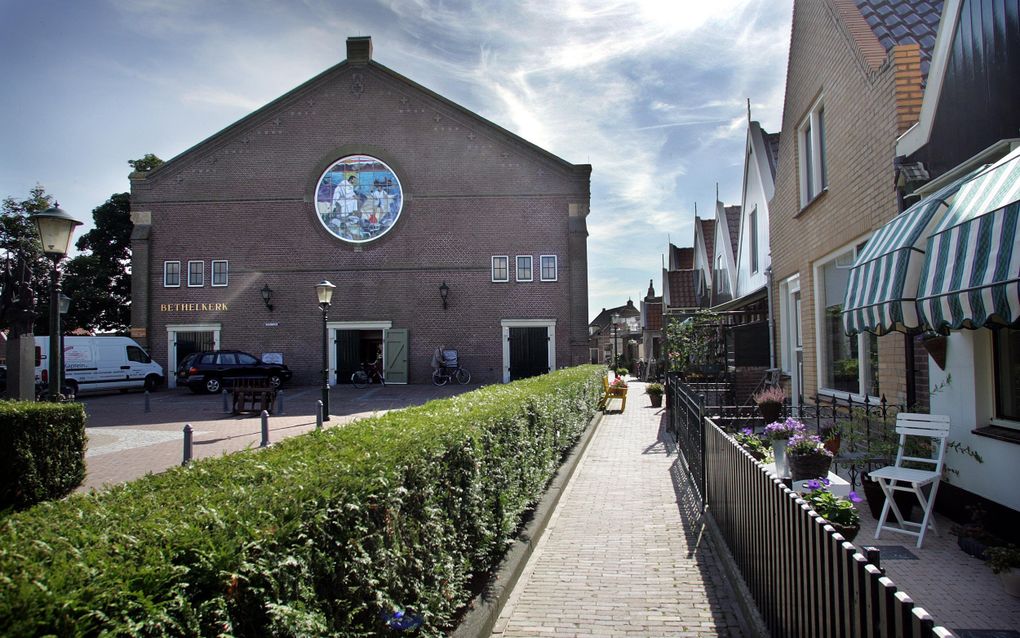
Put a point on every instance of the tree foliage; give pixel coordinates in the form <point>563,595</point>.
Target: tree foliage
<point>24,282</point>
<point>99,279</point>
<point>145,164</point>
<point>694,342</point>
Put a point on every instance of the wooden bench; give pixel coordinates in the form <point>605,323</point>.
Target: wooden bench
<point>252,396</point>
<point>609,393</point>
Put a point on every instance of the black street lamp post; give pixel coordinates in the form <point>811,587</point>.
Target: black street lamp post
<point>55,227</point>
<point>616,323</point>
<point>325,293</point>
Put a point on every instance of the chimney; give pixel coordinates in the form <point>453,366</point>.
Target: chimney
<point>359,49</point>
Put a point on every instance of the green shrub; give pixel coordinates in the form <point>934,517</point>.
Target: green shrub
<point>332,533</point>
<point>42,451</point>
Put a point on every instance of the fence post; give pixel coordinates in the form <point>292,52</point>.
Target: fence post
<point>279,402</point>
<point>701,431</point>
<point>147,408</point>
<point>265,429</point>
<point>188,440</point>
<point>318,414</point>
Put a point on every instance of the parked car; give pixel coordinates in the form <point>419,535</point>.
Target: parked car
<point>216,369</point>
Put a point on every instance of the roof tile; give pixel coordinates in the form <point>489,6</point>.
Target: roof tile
<point>897,22</point>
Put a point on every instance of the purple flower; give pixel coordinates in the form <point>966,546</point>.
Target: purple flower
<point>826,482</point>
<point>813,484</point>
<point>854,498</point>
<point>746,431</point>
<point>784,429</point>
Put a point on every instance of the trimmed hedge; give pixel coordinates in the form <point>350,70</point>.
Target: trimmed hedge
<point>42,451</point>
<point>362,530</point>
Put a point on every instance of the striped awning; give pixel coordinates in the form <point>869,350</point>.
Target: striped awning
<point>971,274</point>
<point>880,295</point>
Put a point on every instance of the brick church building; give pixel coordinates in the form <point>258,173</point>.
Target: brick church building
<point>436,226</point>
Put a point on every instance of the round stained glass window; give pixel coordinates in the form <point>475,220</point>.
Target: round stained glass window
<point>358,198</point>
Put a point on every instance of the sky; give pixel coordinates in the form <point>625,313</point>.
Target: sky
<point>652,94</point>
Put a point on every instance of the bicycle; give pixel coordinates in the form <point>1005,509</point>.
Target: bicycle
<point>369,373</point>
<point>444,374</point>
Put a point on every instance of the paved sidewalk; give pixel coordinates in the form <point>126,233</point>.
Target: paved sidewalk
<point>625,553</point>
<point>125,443</point>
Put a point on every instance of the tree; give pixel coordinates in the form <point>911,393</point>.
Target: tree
<point>24,286</point>
<point>146,164</point>
<point>99,279</point>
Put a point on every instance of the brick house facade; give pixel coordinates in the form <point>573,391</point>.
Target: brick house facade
<point>850,91</point>
<point>473,195</point>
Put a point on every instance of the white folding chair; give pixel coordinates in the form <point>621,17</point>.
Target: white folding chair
<point>897,478</point>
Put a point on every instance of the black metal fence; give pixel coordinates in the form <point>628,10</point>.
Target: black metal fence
<point>805,580</point>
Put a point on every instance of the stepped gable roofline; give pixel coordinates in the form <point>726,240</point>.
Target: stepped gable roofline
<point>359,52</point>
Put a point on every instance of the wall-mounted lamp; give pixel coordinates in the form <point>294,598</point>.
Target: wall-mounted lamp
<point>267,296</point>
<point>444,290</point>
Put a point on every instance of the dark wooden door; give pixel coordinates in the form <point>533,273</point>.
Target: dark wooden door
<point>348,354</point>
<point>529,352</point>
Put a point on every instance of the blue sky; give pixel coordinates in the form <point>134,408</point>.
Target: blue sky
<point>660,87</point>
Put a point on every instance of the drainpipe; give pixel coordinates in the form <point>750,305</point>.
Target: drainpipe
<point>772,320</point>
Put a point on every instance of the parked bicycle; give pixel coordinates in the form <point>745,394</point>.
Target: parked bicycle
<point>449,369</point>
<point>369,373</point>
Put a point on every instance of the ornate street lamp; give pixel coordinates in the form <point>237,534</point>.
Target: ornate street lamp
<point>55,227</point>
<point>616,322</point>
<point>325,292</point>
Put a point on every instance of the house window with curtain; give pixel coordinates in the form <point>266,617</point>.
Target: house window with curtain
<point>814,178</point>
<point>1006,361</point>
<point>848,363</point>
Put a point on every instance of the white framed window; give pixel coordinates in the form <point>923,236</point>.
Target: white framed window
<point>1006,366</point>
<point>846,364</point>
<point>814,178</point>
<point>196,274</point>
<point>549,267</point>
<point>171,274</point>
<point>524,268</point>
<point>220,273</point>
<point>501,268</point>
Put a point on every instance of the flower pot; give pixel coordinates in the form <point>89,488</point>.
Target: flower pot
<point>656,400</point>
<point>972,546</point>
<point>770,411</point>
<point>936,347</point>
<point>808,466</point>
<point>876,499</point>
<point>1011,581</point>
<point>832,444</point>
<point>849,532</point>
<point>779,454</point>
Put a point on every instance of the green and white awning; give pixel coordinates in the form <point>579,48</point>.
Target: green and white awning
<point>971,274</point>
<point>880,296</point>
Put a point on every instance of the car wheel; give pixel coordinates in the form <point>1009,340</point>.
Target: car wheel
<point>152,382</point>
<point>213,385</point>
<point>275,380</point>
<point>71,388</point>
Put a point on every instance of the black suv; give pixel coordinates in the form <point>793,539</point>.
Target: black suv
<point>212,371</point>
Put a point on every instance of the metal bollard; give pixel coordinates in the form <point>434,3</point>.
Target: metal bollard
<point>147,408</point>
<point>265,429</point>
<point>224,393</point>
<point>318,415</point>
<point>188,440</point>
<point>279,402</point>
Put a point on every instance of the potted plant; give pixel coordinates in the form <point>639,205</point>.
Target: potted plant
<point>838,511</point>
<point>973,537</point>
<point>807,458</point>
<point>654,392</point>
<point>779,434</point>
<point>770,403</point>
<point>753,443</point>
<point>1005,561</point>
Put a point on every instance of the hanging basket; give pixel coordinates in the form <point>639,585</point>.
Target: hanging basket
<point>770,411</point>
<point>936,347</point>
<point>808,466</point>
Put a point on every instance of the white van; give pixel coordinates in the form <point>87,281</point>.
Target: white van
<point>100,363</point>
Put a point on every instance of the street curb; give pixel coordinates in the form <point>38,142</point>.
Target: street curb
<point>484,609</point>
